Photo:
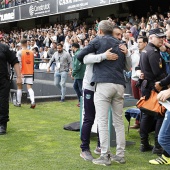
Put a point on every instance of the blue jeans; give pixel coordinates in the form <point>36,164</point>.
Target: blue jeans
<point>60,79</point>
<point>52,68</point>
<point>164,133</point>
<point>78,87</point>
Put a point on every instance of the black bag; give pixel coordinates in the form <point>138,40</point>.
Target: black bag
<point>75,126</point>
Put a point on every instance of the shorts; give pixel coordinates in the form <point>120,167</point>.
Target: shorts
<point>27,80</point>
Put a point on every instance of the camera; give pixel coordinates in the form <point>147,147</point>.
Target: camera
<point>139,83</point>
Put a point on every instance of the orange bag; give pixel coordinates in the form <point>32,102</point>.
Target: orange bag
<point>151,106</point>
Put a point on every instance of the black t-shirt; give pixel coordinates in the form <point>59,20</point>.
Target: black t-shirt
<point>6,57</point>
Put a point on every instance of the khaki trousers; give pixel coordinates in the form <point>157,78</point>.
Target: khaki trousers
<point>106,95</point>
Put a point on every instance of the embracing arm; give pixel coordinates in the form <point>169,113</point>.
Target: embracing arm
<point>88,49</point>
<point>163,95</point>
<point>127,53</point>
<point>94,58</point>
<point>164,82</point>
<point>97,58</point>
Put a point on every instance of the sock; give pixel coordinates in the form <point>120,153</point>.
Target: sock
<point>19,95</point>
<point>31,93</point>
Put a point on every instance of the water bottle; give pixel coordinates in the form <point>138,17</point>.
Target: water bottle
<point>14,98</point>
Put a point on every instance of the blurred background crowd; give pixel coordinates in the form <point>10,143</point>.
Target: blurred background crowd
<point>42,39</point>
<point>11,3</point>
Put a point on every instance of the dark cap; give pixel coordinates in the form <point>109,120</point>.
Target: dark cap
<point>158,32</point>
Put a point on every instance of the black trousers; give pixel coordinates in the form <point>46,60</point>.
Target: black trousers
<point>4,100</point>
<point>89,116</point>
<point>148,124</point>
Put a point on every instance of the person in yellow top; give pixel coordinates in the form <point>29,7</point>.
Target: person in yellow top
<point>26,59</point>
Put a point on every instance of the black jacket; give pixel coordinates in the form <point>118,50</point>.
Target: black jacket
<point>6,57</point>
<point>152,64</point>
<point>165,81</point>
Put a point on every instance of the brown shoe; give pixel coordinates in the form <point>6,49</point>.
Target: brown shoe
<point>32,105</point>
<point>135,126</point>
<point>78,105</point>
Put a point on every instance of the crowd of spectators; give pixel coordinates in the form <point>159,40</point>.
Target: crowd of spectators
<point>43,41</point>
<point>11,3</point>
<point>76,31</point>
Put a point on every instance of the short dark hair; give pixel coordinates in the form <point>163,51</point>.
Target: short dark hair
<point>59,44</point>
<point>130,23</point>
<point>108,18</point>
<point>160,23</point>
<point>32,39</point>
<point>145,39</point>
<point>76,45</point>
<point>36,49</point>
<point>116,27</point>
<point>24,41</point>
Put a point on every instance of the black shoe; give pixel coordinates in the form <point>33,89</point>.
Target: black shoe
<point>157,151</point>
<point>3,128</point>
<point>145,148</point>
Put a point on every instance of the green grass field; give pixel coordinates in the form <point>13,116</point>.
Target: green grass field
<point>36,141</point>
